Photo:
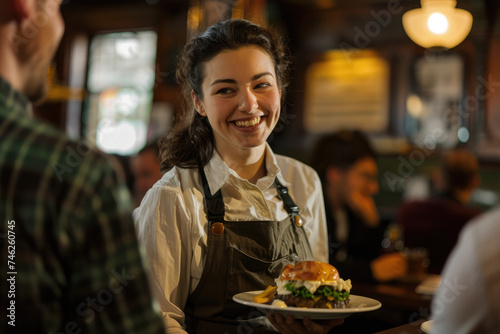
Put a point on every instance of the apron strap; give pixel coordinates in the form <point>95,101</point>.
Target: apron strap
<point>214,203</point>
<point>290,207</point>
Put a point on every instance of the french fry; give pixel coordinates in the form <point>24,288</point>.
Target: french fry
<point>266,296</point>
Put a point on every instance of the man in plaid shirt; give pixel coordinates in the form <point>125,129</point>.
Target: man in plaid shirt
<point>69,256</point>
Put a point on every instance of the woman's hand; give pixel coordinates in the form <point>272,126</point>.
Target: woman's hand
<point>290,325</point>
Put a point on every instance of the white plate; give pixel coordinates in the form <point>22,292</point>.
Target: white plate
<point>356,304</point>
<point>429,285</point>
<point>426,326</point>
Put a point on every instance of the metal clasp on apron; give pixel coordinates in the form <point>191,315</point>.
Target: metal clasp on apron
<point>217,228</point>
<point>290,207</point>
<point>216,210</point>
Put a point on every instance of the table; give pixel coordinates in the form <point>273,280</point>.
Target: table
<point>411,328</point>
<point>395,295</point>
<point>401,306</point>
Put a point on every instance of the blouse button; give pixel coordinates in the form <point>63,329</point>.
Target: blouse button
<point>217,228</point>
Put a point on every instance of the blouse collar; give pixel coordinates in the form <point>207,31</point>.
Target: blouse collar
<point>218,172</point>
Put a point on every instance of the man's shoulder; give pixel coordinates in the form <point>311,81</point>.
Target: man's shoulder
<point>44,145</point>
<point>435,209</point>
<point>433,203</point>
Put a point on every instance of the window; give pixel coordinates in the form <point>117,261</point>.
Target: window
<point>121,79</point>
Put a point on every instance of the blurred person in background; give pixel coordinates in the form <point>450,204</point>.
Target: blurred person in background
<point>346,164</point>
<point>435,223</point>
<point>468,299</point>
<point>145,168</point>
<point>69,255</point>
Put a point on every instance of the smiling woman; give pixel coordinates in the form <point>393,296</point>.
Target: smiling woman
<point>228,210</point>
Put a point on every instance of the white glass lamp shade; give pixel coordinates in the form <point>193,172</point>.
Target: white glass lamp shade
<point>437,24</point>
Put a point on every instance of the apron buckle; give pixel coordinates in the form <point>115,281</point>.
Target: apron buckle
<point>217,228</point>
<point>298,221</point>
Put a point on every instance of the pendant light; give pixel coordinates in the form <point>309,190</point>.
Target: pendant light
<point>438,24</point>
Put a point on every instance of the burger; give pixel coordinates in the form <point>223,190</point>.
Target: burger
<point>312,284</point>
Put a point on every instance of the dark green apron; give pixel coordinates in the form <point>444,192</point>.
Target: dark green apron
<point>242,256</point>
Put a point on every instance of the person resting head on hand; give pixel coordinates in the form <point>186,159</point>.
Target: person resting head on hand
<point>347,166</point>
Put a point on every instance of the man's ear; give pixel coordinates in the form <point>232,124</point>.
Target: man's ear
<point>198,104</point>
<point>23,9</point>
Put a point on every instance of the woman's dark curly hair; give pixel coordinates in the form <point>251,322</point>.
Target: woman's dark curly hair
<point>191,142</point>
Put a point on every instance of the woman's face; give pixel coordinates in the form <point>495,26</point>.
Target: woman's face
<point>241,99</point>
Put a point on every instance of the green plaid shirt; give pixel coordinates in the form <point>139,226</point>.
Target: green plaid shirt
<point>69,254</point>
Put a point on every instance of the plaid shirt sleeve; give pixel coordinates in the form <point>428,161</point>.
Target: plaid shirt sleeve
<point>109,291</point>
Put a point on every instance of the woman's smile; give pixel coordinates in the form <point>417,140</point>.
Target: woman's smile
<point>248,123</point>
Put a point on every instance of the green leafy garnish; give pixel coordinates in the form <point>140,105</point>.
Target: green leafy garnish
<point>326,291</point>
<point>302,291</point>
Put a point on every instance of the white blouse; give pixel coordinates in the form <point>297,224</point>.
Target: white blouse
<point>172,226</point>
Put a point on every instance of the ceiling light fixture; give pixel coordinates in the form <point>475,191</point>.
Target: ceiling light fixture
<point>437,24</point>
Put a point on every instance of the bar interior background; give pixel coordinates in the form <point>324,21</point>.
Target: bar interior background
<point>354,66</point>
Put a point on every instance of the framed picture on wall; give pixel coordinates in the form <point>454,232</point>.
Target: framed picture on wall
<point>347,90</point>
